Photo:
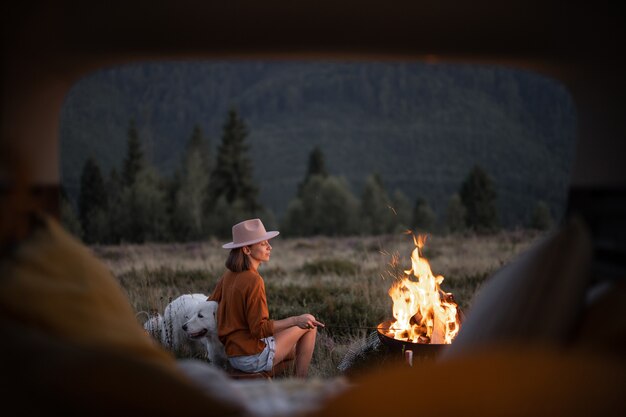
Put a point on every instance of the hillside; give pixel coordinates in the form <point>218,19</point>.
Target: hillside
<point>421,126</point>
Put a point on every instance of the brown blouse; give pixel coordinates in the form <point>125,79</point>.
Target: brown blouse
<point>242,315</point>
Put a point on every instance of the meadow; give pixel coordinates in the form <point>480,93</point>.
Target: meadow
<point>341,281</point>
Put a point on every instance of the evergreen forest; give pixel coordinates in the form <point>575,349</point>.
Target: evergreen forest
<point>181,151</point>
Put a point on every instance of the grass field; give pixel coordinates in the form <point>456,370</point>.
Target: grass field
<point>342,281</point>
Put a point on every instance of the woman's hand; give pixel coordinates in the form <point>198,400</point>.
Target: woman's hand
<point>307,321</point>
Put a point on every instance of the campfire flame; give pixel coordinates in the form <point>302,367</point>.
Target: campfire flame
<point>423,312</point>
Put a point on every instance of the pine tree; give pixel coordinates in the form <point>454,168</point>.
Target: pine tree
<point>455,214</point>
<point>133,162</point>
<point>327,207</point>
<point>315,166</point>
<point>375,212</point>
<point>402,210</point>
<point>145,208</point>
<point>192,181</point>
<point>226,214</point>
<point>295,217</point>
<point>92,201</point>
<point>478,195</point>
<point>198,143</point>
<point>117,220</point>
<point>232,176</point>
<point>141,212</point>
<point>424,218</point>
<point>68,217</point>
<point>172,187</point>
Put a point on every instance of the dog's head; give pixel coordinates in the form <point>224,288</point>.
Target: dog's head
<point>203,320</point>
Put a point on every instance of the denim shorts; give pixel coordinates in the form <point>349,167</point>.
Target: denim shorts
<point>260,362</point>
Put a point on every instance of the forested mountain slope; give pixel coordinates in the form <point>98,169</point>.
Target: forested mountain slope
<point>422,127</point>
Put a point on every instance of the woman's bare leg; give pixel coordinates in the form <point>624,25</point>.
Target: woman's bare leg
<point>304,342</point>
<point>284,368</point>
<point>304,352</point>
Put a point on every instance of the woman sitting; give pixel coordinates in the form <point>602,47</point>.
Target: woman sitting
<point>252,341</point>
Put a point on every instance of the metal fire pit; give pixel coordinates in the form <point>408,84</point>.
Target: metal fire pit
<point>419,349</point>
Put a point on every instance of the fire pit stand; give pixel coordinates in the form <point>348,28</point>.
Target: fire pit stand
<point>420,350</point>
<point>378,350</point>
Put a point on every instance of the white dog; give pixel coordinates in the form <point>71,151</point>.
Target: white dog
<point>168,329</point>
<point>202,326</point>
<point>154,326</point>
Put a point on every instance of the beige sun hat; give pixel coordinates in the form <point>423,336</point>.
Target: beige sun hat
<point>249,232</point>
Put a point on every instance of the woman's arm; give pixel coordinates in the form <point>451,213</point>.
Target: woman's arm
<point>303,321</point>
<point>255,302</point>
<point>259,322</point>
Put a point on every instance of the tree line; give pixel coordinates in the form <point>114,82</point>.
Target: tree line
<point>208,194</point>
